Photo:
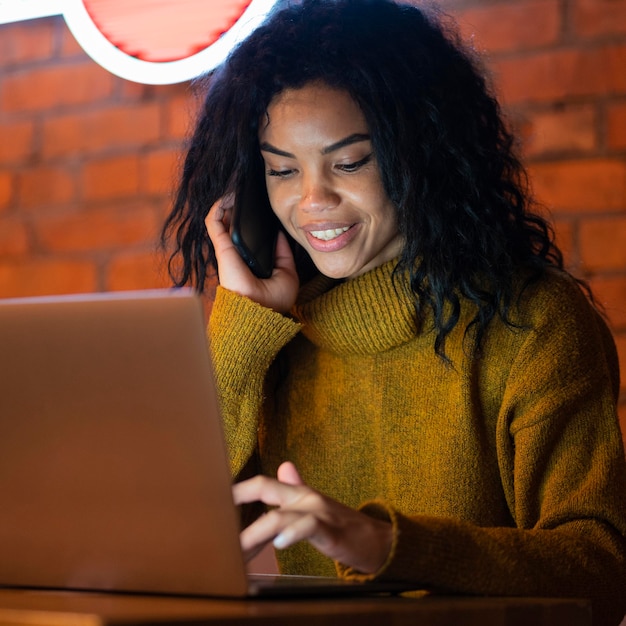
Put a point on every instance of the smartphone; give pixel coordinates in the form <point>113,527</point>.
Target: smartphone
<point>254,226</point>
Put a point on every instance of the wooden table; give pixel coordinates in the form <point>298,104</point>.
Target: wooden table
<point>43,608</point>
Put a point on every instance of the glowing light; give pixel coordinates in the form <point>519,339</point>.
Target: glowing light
<point>181,51</point>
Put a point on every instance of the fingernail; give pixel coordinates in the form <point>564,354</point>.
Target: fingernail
<point>280,541</point>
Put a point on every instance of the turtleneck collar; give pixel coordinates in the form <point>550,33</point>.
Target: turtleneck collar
<point>368,314</point>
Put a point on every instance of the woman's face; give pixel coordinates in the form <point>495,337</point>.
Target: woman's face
<point>324,183</point>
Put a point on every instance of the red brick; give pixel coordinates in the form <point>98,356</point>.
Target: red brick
<point>570,129</point>
<point>131,91</point>
<point>43,186</point>
<point>160,171</point>
<point>146,270</point>
<point>181,113</point>
<point>55,86</point>
<point>6,190</point>
<point>14,239</point>
<point>17,141</point>
<point>622,420</point>
<point>114,177</point>
<point>565,233</point>
<point>603,244</point>
<point>27,41</point>
<point>555,75</point>
<point>620,342</point>
<point>596,18</point>
<point>69,46</point>
<point>616,61</point>
<point>581,186</point>
<point>514,26</point>
<point>46,276</point>
<point>102,129</point>
<point>616,126</point>
<point>100,229</point>
<point>610,292</point>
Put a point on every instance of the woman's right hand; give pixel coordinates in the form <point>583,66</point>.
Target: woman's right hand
<point>279,291</point>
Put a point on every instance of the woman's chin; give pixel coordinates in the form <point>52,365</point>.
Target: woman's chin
<point>336,272</point>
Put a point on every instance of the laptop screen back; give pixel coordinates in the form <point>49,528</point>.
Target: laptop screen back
<point>113,472</point>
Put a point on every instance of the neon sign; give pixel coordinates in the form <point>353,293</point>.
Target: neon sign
<point>150,42</point>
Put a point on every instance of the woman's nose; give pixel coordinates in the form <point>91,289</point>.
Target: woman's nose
<point>317,194</point>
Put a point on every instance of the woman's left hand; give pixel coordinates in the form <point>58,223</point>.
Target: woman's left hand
<point>341,533</point>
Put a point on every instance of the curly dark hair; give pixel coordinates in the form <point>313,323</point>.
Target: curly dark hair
<point>446,158</point>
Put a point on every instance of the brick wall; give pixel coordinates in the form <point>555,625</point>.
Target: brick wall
<point>87,160</point>
<point>560,70</point>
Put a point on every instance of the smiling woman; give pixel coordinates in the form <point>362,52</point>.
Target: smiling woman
<point>418,391</point>
<point>324,183</point>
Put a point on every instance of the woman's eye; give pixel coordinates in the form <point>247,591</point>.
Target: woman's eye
<point>279,173</point>
<point>353,167</point>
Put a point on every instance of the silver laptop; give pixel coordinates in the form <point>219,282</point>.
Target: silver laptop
<point>113,469</point>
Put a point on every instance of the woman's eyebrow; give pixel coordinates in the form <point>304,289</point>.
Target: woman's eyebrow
<point>342,143</point>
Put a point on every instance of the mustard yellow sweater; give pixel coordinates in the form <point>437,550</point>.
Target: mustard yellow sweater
<point>503,475</point>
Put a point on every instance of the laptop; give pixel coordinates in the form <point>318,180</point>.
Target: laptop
<point>113,467</point>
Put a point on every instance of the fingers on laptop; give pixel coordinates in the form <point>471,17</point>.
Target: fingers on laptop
<point>303,514</point>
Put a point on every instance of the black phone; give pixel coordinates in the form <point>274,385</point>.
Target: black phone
<point>254,226</point>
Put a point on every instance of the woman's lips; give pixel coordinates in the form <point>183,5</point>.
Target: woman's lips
<point>330,237</point>
<point>331,233</point>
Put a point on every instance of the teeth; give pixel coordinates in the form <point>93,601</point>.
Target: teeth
<point>329,234</point>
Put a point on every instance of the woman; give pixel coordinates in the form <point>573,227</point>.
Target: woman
<point>442,390</point>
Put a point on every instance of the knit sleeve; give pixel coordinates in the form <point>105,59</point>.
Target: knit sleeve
<point>563,472</point>
<point>244,338</point>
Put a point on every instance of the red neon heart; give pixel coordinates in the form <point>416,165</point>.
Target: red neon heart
<point>163,30</point>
